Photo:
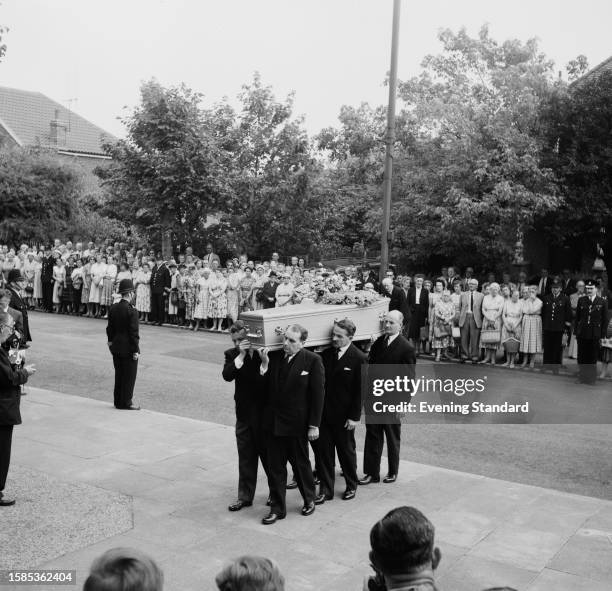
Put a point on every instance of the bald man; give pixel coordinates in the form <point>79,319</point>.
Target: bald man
<point>390,349</point>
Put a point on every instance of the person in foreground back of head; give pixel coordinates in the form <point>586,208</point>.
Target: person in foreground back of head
<point>250,573</point>
<point>402,552</point>
<point>124,569</point>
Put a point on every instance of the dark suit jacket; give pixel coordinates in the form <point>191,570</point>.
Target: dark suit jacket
<point>399,302</point>
<point>342,385</point>
<point>10,391</point>
<point>424,300</point>
<point>46,272</point>
<point>591,318</point>
<point>160,279</point>
<point>249,389</point>
<point>556,312</point>
<point>122,329</point>
<point>400,353</point>
<point>18,304</point>
<point>569,286</point>
<point>268,290</point>
<point>536,281</point>
<point>299,403</point>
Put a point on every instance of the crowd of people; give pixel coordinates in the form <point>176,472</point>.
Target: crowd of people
<point>403,556</point>
<point>511,319</point>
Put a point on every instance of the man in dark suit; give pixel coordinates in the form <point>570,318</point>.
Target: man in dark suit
<point>296,389</point>
<point>15,284</point>
<point>341,411</point>
<point>11,379</point>
<point>418,303</point>
<point>568,284</point>
<point>389,349</point>
<point>268,291</point>
<point>543,283</point>
<point>556,319</point>
<point>591,324</point>
<point>160,286</point>
<point>242,365</point>
<point>398,299</point>
<point>123,342</point>
<point>46,277</point>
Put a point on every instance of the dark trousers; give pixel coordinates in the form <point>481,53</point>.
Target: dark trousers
<point>279,451</point>
<point>47,299</point>
<point>157,307</point>
<point>6,438</point>
<point>125,378</point>
<point>374,442</point>
<point>587,360</point>
<point>552,343</point>
<point>334,437</point>
<point>470,334</point>
<point>251,449</point>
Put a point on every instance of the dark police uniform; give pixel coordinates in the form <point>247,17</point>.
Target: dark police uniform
<point>556,316</point>
<point>123,341</point>
<point>591,324</point>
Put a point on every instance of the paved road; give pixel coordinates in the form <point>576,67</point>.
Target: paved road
<point>179,373</point>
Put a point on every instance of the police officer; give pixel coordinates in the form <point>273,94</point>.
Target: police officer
<point>556,319</point>
<point>591,324</point>
<point>123,342</point>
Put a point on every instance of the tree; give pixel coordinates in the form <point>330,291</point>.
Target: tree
<point>472,174</point>
<point>38,196</point>
<point>579,148</point>
<point>273,204</point>
<point>167,175</point>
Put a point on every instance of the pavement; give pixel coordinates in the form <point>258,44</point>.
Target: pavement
<point>88,478</point>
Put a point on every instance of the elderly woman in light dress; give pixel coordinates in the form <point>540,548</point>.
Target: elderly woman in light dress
<point>443,315</point>
<point>492,309</point>
<point>512,317</point>
<point>217,300</point>
<point>200,313</point>
<point>284,291</point>
<point>531,327</point>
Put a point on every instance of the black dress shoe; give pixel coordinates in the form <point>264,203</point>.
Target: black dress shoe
<point>390,478</point>
<point>291,485</point>
<point>367,479</point>
<point>348,494</point>
<point>4,502</point>
<point>239,505</point>
<point>272,518</point>
<point>308,509</point>
<point>321,498</point>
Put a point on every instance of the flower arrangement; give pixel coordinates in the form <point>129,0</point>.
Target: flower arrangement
<point>358,298</point>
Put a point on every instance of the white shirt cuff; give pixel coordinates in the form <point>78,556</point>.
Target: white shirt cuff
<point>238,362</point>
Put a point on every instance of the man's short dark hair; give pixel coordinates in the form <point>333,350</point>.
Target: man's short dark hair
<point>238,326</point>
<point>402,541</point>
<point>124,569</point>
<point>348,325</point>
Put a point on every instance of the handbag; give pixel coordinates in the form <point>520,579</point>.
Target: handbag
<point>174,299</point>
<point>440,330</point>
<point>456,331</point>
<point>489,336</point>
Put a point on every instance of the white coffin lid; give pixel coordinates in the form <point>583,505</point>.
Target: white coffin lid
<point>311,309</point>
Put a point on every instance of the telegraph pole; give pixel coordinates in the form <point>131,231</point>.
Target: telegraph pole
<point>390,141</point>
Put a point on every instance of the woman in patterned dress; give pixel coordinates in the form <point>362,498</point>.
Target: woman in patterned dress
<point>77,287</point>
<point>246,291</point>
<point>189,287</point>
<point>108,287</point>
<point>512,317</point>
<point>142,283</point>
<point>98,269</point>
<point>434,297</point>
<point>573,345</point>
<point>59,275</point>
<point>202,299</point>
<point>217,303</point>
<point>531,327</point>
<point>260,279</point>
<point>233,293</point>
<point>443,315</point>
<point>492,309</point>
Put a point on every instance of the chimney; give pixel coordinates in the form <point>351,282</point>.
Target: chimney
<point>57,134</point>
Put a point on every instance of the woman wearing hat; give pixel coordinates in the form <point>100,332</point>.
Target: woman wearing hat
<point>123,343</point>
<point>11,379</point>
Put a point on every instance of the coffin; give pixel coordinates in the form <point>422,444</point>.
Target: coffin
<point>266,327</point>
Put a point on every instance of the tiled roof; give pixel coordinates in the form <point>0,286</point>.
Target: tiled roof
<point>33,119</point>
<point>593,73</point>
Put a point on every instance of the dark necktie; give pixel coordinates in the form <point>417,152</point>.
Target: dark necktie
<point>471,301</point>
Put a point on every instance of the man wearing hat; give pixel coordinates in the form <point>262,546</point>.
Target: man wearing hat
<point>556,319</point>
<point>591,324</point>
<point>268,291</point>
<point>15,284</point>
<point>123,342</point>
